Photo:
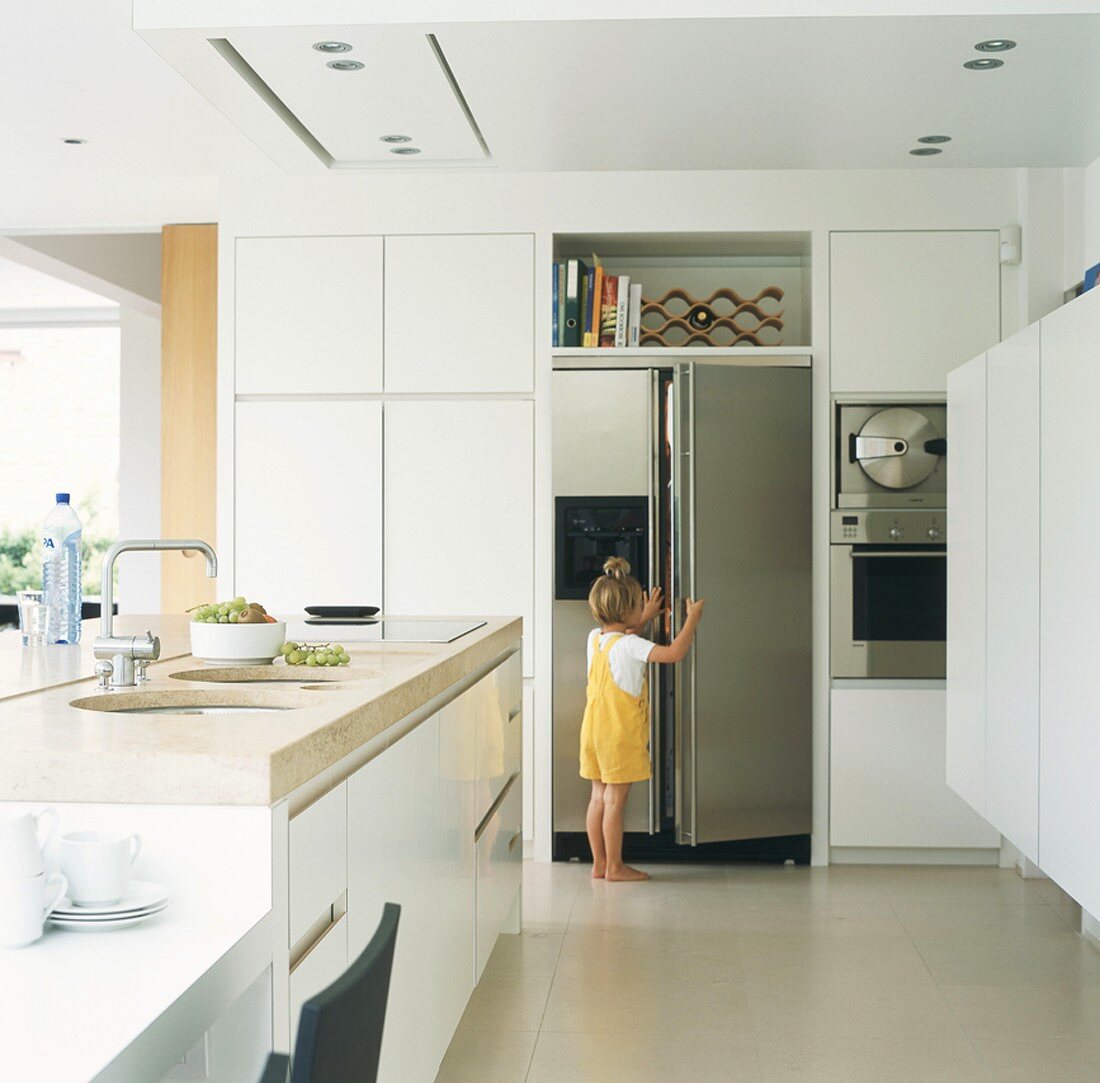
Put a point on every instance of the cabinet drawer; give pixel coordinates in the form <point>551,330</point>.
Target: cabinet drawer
<point>318,860</point>
<point>498,730</point>
<point>318,969</point>
<point>499,872</point>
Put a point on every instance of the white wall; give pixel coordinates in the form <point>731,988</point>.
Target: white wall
<point>483,201</point>
<point>139,460</point>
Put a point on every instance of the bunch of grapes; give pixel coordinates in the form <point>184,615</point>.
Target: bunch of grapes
<point>220,612</point>
<point>314,654</point>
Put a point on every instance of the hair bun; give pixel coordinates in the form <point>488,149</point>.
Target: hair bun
<point>616,567</point>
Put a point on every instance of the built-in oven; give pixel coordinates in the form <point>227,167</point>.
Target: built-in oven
<point>588,530</point>
<point>888,593</point>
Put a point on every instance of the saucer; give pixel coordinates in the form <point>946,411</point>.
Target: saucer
<point>101,925</point>
<point>142,895</point>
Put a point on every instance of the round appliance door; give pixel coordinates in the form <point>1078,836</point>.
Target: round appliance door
<point>893,455</point>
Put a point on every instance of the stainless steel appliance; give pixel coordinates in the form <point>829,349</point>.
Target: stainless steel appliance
<point>891,456</point>
<point>889,593</point>
<point>703,471</point>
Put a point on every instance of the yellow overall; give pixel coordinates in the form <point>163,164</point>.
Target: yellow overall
<point>615,730</point>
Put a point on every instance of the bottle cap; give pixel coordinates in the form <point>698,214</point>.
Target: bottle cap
<point>63,498</point>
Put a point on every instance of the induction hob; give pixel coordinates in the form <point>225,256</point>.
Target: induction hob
<point>383,630</point>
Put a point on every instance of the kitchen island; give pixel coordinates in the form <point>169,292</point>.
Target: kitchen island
<point>280,835</point>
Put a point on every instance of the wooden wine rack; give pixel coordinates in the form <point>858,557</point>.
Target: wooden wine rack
<point>725,318</point>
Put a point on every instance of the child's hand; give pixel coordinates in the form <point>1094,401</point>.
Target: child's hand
<point>654,605</point>
<point>694,609</point>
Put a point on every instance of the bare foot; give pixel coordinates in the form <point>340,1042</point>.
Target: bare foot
<point>626,873</point>
<point>598,872</point>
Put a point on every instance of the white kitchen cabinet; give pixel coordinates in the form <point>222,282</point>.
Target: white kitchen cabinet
<point>499,864</point>
<point>460,313</point>
<point>318,860</point>
<point>966,583</point>
<point>308,504</point>
<point>308,315</point>
<point>907,307</point>
<point>1069,782</point>
<point>325,961</point>
<point>887,786</point>
<point>1012,608</point>
<point>459,510</point>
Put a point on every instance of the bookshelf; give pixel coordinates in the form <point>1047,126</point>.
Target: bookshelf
<point>700,264</point>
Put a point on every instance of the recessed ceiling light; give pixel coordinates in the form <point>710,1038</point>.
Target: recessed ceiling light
<point>396,138</point>
<point>356,65</point>
<point>332,46</point>
<point>74,142</point>
<point>934,139</point>
<point>923,152</point>
<point>995,45</point>
<point>986,63</point>
<point>404,150</point>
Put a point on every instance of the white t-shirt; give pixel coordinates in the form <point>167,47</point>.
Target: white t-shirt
<point>627,659</point>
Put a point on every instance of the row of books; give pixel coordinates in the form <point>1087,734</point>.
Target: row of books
<point>593,308</point>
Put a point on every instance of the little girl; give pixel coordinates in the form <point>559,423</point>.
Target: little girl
<point>615,730</point>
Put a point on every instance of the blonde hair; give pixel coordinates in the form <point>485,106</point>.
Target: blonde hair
<point>616,594</point>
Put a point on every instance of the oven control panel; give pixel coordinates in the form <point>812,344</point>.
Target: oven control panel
<point>884,526</point>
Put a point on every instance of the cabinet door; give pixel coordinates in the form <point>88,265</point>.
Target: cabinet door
<point>308,504</point>
<point>1069,754</point>
<point>317,970</point>
<point>966,582</point>
<point>308,315</point>
<point>499,872</point>
<point>1012,606</point>
<point>887,783</point>
<point>460,313</point>
<point>460,510</point>
<point>907,307</point>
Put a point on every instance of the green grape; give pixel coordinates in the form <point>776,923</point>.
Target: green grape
<point>223,611</point>
<point>295,658</point>
<point>291,646</point>
<point>344,658</point>
<point>223,618</point>
<point>237,607</point>
<point>241,600</point>
<point>211,620</point>
<point>311,660</point>
<point>234,616</point>
<point>336,648</point>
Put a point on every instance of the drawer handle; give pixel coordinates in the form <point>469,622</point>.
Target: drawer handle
<point>513,840</point>
<point>314,936</point>
<point>495,806</point>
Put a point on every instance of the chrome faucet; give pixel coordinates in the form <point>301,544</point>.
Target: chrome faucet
<point>120,654</point>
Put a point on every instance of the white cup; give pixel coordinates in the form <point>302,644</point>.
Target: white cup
<point>97,864</point>
<point>24,904</point>
<point>20,850</point>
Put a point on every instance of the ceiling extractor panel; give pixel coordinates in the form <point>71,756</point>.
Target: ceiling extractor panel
<point>370,96</point>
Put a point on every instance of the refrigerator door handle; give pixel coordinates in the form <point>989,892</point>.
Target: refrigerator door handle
<point>654,579</point>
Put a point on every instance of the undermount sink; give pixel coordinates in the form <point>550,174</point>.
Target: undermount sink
<point>281,674</point>
<point>197,701</point>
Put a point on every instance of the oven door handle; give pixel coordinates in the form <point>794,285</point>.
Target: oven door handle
<point>907,554</point>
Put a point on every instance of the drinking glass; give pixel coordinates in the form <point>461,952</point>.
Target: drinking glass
<point>32,617</point>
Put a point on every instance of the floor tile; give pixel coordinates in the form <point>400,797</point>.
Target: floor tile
<point>880,960</point>
<point>1023,1012</point>
<point>533,952</point>
<point>494,1056</point>
<point>874,1060</point>
<point>598,1057</point>
<point>508,1002</point>
<point>1053,1060</point>
<point>1011,958</point>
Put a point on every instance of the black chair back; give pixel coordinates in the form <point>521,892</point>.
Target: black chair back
<point>340,1029</point>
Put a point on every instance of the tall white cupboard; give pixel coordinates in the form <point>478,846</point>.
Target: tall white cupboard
<point>1023,683</point>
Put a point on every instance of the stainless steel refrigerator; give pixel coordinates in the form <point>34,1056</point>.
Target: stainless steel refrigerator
<point>700,474</point>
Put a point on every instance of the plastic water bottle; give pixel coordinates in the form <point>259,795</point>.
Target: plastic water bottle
<point>61,572</point>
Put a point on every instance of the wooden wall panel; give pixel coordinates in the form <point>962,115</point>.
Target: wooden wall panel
<point>189,362</point>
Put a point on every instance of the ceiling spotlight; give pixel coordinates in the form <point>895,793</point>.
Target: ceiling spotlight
<point>332,46</point>
<point>396,138</point>
<point>355,65</point>
<point>934,139</point>
<point>987,63</point>
<point>74,142</point>
<point>995,45</point>
<point>404,150</point>
<point>924,152</point>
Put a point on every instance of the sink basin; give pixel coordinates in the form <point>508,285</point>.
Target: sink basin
<point>196,701</point>
<point>274,674</point>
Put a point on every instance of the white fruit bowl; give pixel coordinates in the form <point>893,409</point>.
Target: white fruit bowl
<point>237,644</point>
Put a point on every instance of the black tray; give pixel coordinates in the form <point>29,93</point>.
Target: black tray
<point>342,611</point>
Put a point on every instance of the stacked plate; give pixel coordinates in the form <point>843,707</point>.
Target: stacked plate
<point>143,900</point>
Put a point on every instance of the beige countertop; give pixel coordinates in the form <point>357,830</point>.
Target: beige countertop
<point>51,751</point>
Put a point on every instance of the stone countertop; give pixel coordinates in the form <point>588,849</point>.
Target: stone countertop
<point>52,751</point>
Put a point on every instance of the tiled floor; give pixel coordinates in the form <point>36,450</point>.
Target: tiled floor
<point>771,973</point>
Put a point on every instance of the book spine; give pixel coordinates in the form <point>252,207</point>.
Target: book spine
<point>609,310</point>
<point>554,310</point>
<point>572,299</point>
<point>634,318</point>
<point>561,302</point>
<point>589,306</point>
<point>582,305</point>
<point>622,303</point>
<point>597,301</point>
